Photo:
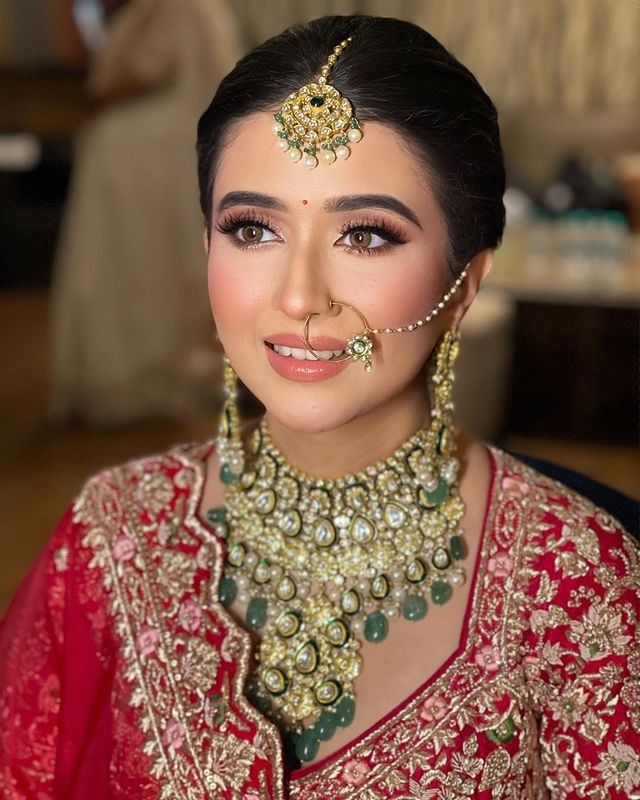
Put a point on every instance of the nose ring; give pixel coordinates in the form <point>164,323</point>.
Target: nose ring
<point>358,348</point>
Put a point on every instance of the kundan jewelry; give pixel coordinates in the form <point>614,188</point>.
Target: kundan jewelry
<point>321,564</point>
<point>316,123</point>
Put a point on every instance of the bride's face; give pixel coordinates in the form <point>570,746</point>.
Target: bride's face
<point>285,240</point>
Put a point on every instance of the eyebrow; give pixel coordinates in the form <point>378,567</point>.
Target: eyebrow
<point>348,202</point>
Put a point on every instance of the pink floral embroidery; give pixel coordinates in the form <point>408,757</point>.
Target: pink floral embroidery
<point>433,709</point>
<point>174,735</point>
<point>251,795</point>
<point>190,616</point>
<point>124,548</point>
<point>147,641</point>
<point>488,657</point>
<point>515,488</point>
<point>500,565</point>
<point>355,771</point>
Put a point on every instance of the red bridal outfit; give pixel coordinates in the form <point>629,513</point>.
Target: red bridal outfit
<point>121,675</point>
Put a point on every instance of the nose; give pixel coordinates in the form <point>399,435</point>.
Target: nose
<point>303,287</point>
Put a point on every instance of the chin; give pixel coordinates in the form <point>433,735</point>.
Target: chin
<point>311,418</point>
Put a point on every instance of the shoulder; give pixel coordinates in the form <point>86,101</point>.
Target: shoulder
<point>558,524</point>
<point>145,491</point>
<point>578,570</point>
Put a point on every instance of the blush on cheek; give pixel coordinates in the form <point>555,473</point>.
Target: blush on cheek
<point>410,296</point>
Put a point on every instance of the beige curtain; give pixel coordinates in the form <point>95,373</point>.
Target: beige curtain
<point>564,55</point>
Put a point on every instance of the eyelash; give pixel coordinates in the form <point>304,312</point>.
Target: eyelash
<point>233,222</point>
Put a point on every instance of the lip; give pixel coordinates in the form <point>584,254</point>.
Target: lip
<point>305,371</point>
<point>297,341</point>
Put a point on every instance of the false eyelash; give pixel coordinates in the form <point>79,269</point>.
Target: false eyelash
<point>234,221</point>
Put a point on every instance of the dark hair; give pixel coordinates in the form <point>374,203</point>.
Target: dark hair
<point>395,73</point>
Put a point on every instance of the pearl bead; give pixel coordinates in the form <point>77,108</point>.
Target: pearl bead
<point>343,152</point>
<point>354,134</point>
<point>391,612</point>
<point>310,161</point>
<point>244,597</point>
<point>283,144</point>
<point>252,559</point>
<point>398,593</point>
<point>328,156</point>
<point>242,581</point>
<point>277,127</point>
<point>295,154</point>
<point>357,625</point>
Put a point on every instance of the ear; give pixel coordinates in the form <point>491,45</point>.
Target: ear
<point>479,267</point>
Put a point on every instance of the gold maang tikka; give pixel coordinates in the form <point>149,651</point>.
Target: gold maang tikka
<point>359,347</point>
<point>316,123</point>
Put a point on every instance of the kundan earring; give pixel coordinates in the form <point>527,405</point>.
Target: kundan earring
<point>229,441</point>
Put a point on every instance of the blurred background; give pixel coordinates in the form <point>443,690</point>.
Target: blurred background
<point>107,346</point>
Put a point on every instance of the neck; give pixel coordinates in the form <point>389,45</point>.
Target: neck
<point>358,443</point>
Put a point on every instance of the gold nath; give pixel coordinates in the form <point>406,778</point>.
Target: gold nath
<point>316,123</point>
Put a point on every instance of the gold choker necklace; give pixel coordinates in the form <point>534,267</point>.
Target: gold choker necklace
<point>321,564</point>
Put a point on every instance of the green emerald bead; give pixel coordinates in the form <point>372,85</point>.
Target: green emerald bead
<point>456,546</point>
<point>326,726</point>
<point>441,592</point>
<point>278,117</point>
<point>414,607</point>
<point>376,627</point>
<point>217,514</point>
<point>345,712</point>
<point>256,613</point>
<point>439,495</point>
<point>227,591</point>
<point>307,745</point>
<point>226,476</point>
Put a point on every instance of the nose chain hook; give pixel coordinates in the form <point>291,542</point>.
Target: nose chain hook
<point>359,347</point>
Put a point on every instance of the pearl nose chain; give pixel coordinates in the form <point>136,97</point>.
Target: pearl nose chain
<point>359,347</point>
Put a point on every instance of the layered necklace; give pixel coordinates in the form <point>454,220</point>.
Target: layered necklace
<point>320,565</point>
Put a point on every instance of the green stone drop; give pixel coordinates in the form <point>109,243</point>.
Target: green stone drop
<point>278,117</point>
<point>226,476</point>
<point>437,496</point>
<point>216,515</point>
<point>256,613</point>
<point>227,591</point>
<point>457,548</point>
<point>307,746</point>
<point>441,592</point>
<point>414,607</point>
<point>376,627</point>
<point>345,712</point>
<point>326,726</point>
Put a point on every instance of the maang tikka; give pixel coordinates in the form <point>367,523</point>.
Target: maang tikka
<point>316,123</point>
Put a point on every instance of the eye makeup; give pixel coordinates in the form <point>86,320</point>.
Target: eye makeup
<point>231,223</point>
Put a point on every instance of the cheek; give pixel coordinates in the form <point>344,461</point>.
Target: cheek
<point>404,297</point>
<point>234,295</point>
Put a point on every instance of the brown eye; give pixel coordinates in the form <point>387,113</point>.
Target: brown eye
<point>360,238</point>
<point>251,234</point>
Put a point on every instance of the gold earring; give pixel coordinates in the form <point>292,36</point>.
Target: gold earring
<point>442,401</point>
<point>230,448</point>
<point>359,347</point>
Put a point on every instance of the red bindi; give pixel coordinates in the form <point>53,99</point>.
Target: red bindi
<point>304,202</point>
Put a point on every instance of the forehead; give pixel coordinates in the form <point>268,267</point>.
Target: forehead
<point>380,163</point>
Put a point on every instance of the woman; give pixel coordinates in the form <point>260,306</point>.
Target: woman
<point>286,614</point>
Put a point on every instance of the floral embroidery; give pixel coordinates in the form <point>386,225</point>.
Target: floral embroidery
<point>488,658</point>
<point>500,565</point>
<point>433,709</point>
<point>355,772</point>
<point>620,767</point>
